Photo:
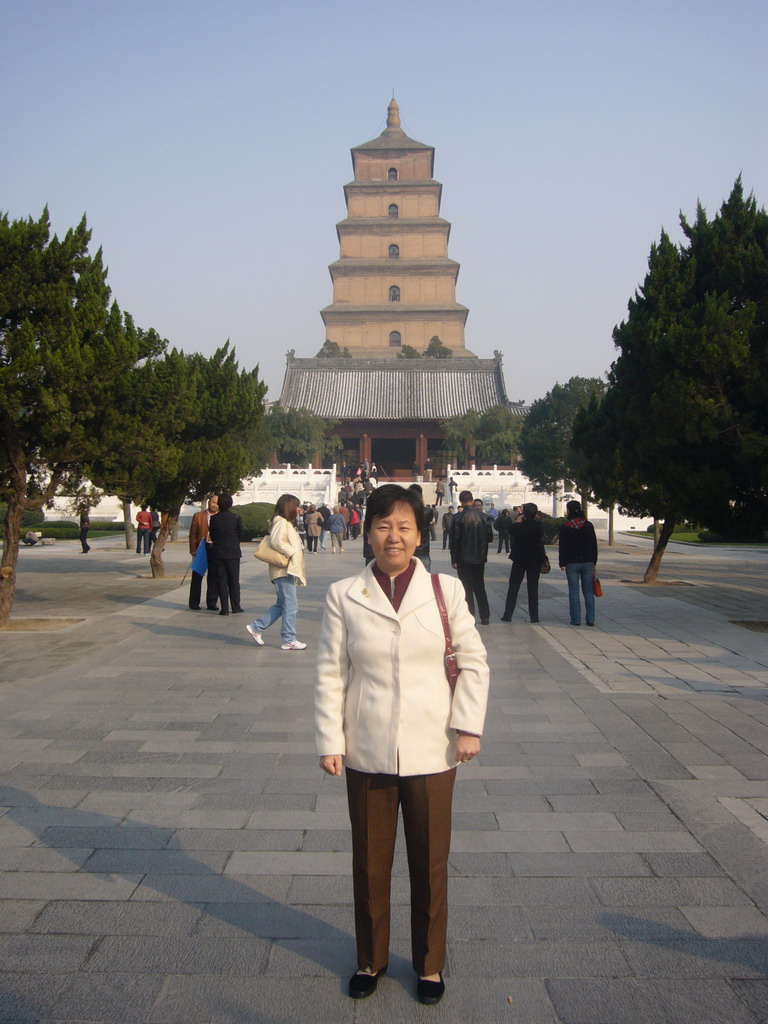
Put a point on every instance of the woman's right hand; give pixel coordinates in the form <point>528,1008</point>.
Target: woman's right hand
<point>331,763</point>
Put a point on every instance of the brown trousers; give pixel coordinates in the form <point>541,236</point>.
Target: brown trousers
<point>373,807</point>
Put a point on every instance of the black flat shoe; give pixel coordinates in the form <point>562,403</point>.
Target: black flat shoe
<point>485,622</point>
<point>223,613</point>
<point>362,985</point>
<point>505,618</point>
<point>430,992</point>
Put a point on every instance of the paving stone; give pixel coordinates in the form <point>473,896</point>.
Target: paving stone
<point>76,885</point>
<point>755,997</point>
<point>28,996</point>
<point>698,958</point>
<point>19,915</point>
<point>213,888</point>
<point>577,865</point>
<point>727,922</point>
<point>243,1000</point>
<point>77,917</point>
<point>586,923</point>
<point>632,842</point>
<point>116,997</point>
<point>116,838</point>
<point>538,959</point>
<point>169,955</point>
<point>683,865</point>
<point>508,842</point>
<point>602,1001</point>
<point>175,862</point>
<point>56,953</point>
<point>693,892</point>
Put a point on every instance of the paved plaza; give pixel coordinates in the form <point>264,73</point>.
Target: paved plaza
<point>170,852</point>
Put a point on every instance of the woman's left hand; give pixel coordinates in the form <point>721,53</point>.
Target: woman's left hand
<point>467,746</point>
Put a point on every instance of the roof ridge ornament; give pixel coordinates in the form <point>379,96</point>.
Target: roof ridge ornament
<point>393,114</point>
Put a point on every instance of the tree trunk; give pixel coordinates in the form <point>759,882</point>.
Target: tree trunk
<point>611,537</point>
<point>130,533</point>
<point>11,541</point>
<point>658,551</point>
<point>167,522</point>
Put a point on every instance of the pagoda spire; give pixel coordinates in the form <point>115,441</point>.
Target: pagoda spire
<point>393,114</point>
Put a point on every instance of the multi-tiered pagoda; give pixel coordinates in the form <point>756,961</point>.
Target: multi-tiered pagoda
<point>394,286</point>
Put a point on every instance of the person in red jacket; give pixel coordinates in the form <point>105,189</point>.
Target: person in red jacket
<point>144,522</point>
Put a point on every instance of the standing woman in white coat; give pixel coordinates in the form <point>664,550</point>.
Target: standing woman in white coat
<point>385,712</point>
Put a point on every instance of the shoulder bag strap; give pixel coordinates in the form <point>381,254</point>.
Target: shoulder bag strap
<point>449,659</point>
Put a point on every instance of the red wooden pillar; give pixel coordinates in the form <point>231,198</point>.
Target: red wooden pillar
<point>421,450</point>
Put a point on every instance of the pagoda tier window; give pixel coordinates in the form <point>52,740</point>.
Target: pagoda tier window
<point>392,174</point>
<point>394,339</point>
<point>394,252</point>
<point>394,293</point>
<point>394,212</point>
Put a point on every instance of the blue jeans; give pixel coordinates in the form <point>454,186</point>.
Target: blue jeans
<point>580,573</point>
<point>286,606</point>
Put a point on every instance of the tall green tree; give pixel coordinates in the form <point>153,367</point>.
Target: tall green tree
<point>217,441</point>
<point>687,403</point>
<point>298,435</point>
<point>499,432</point>
<point>461,435</point>
<point>63,351</point>
<point>548,457</point>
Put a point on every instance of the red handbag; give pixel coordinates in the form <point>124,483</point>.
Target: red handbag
<point>597,586</point>
<point>449,658</point>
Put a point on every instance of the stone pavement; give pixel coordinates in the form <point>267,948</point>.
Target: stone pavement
<point>170,852</point>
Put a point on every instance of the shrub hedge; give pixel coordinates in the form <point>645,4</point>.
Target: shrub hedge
<point>255,516</point>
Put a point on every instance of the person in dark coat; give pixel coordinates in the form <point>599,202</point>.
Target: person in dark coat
<point>527,541</point>
<point>470,533</point>
<point>226,531</point>
<point>578,557</point>
<point>502,526</point>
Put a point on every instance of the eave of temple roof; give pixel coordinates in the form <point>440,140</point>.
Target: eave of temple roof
<point>394,389</point>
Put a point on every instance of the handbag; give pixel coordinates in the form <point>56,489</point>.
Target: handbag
<point>545,566</point>
<point>266,553</point>
<point>449,658</point>
<point>597,586</point>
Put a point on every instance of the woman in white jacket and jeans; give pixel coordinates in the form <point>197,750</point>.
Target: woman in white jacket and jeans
<point>385,713</point>
<point>284,538</point>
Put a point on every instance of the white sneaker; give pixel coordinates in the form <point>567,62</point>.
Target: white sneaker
<point>256,636</point>
<point>294,645</point>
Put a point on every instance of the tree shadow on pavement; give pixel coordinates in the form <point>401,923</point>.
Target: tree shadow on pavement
<point>80,984</point>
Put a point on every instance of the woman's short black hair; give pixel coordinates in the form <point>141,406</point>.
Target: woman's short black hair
<point>225,502</point>
<point>530,509</point>
<point>573,509</point>
<point>381,502</point>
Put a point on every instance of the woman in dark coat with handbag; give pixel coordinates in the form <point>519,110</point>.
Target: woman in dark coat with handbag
<point>528,556</point>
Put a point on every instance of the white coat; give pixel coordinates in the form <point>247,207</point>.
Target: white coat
<point>284,537</point>
<point>382,697</point>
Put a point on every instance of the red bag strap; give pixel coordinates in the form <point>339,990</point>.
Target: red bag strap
<point>451,668</point>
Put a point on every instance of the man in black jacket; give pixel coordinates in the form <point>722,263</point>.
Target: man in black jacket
<point>226,530</point>
<point>470,533</point>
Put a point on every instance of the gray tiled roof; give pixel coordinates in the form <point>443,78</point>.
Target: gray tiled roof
<point>393,138</point>
<point>394,389</point>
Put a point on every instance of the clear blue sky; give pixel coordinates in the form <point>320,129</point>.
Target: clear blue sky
<point>208,145</point>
